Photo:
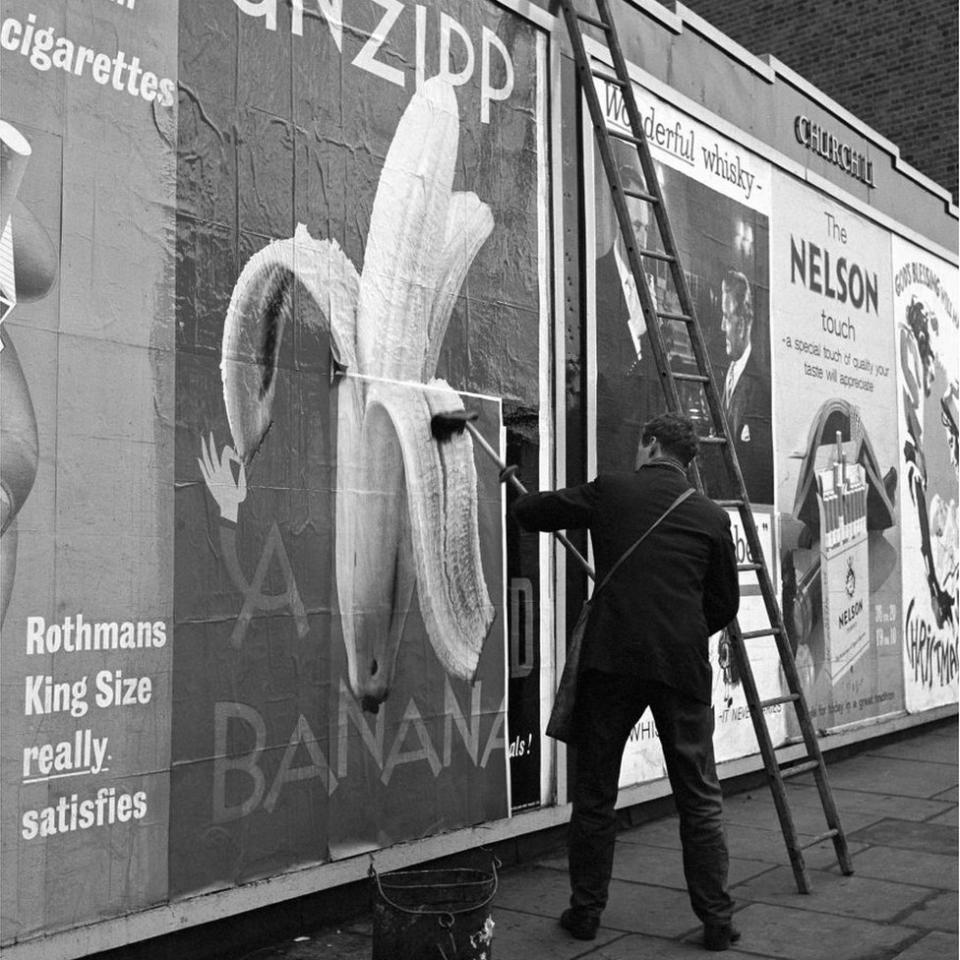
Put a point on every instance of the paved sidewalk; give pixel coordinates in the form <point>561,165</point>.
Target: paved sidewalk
<point>898,805</point>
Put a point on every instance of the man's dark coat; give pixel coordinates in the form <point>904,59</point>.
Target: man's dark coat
<point>654,618</point>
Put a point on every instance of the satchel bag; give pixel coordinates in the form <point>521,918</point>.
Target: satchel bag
<point>560,726</point>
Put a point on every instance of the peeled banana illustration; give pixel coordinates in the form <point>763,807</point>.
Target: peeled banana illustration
<point>406,506</point>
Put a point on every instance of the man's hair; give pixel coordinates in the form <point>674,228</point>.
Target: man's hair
<point>738,286</point>
<point>632,177</point>
<point>676,434</point>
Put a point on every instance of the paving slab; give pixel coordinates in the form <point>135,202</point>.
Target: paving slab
<point>934,946</point>
<point>640,908</point>
<point>949,817</point>
<point>755,843</point>
<point>950,795</point>
<point>650,948</point>
<point>744,841</point>
<point>946,730</point>
<point>907,866</point>
<point>878,805</point>
<point>535,890</point>
<point>522,936</point>
<point>660,867</point>
<point>930,748</point>
<point>655,833</point>
<point>938,912</point>
<point>823,856</point>
<point>854,896</point>
<point>632,907</point>
<point>890,775</point>
<point>806,809</point>
<point>927,837</point>
<point>789,934</point>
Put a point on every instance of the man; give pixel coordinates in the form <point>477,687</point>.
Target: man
<point>625,377</point>
<point>746,391</point>
<point>646,644</point>
<point>617,296</point>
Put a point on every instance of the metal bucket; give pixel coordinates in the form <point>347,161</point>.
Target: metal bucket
<point>433,914</point>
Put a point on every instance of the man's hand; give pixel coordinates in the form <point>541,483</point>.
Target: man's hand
<point>218,476</point>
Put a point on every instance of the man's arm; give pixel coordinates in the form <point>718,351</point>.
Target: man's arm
<point>567,509</point>
<point>721,591</point>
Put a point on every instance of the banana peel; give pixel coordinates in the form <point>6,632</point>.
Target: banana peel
<point>406,506</point>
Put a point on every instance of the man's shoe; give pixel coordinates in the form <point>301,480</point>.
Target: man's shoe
<point>579,925</point>
<point>719,936</point>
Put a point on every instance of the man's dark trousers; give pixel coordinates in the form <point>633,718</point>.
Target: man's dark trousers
<point>608,707</point>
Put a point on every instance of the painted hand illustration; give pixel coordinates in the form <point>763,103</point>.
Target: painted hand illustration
<point>218,476</point>
<point>406,507</point>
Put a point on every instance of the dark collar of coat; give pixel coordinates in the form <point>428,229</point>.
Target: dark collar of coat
<point>670,462</point>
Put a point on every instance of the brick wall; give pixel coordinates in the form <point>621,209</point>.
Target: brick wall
<point>892,63</point>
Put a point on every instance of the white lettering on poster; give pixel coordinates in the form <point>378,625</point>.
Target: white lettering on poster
<point>71,813</point>
<point>496,66</point>
<point>77,635</point>
<point>82,752</point>
<point>44,695</point>
<point>411,743</point>
<point>46,50</point>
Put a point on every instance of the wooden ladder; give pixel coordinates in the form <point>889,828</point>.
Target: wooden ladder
<point>703,379</point>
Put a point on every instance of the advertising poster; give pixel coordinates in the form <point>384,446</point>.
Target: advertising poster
<point>838,462</point>
<point>348,268</point>
<point>927,360</point>
<point>87,196</point>
<point>718,197</point>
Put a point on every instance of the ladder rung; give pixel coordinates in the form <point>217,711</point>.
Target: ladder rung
<point>733,504</point>
<point>681,317</point>
<point>753,634</point>
<point>719,441</point>
<point>746,567</point>
<point>616,81</point>
<point>787,698</point>
<point>640,195</point>
<point>691,377</point>
<point>657,255</point>
<point>805,767</point>
<point>827,835</point>
<point>629,138</point>
<point>593,21</point>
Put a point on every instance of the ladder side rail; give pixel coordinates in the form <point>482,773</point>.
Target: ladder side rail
<point>770,762</point>
<point>812,744</point>
<point>620,206</point>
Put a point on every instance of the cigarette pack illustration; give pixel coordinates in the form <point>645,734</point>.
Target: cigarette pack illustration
<point>842,499</point>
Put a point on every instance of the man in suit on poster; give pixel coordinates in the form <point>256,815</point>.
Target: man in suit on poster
<point>617,297</point>
<point>746,390</point>
<point>620,330</point>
